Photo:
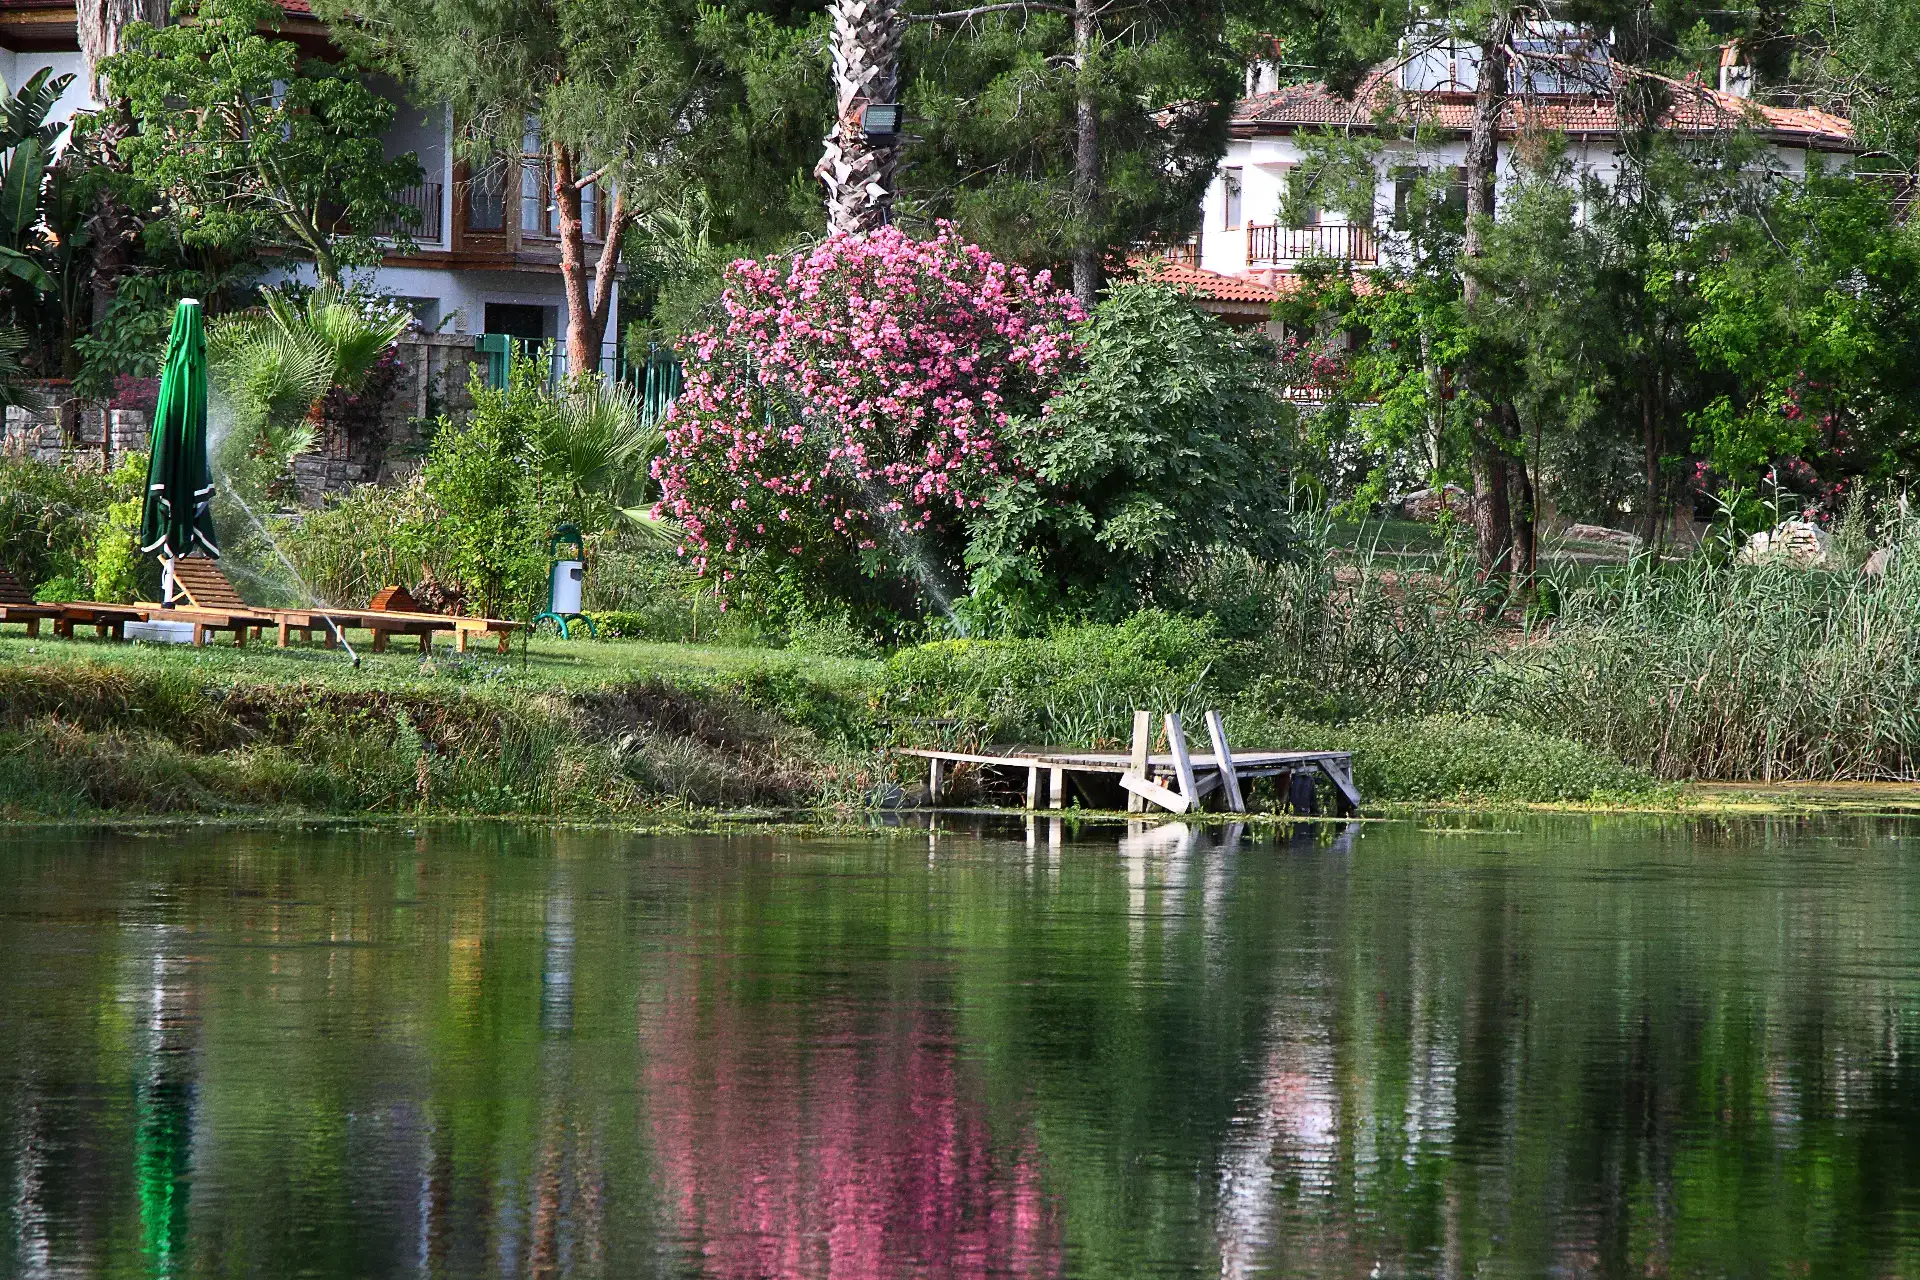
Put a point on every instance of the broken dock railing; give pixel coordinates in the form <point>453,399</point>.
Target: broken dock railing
<point>1177,780</point>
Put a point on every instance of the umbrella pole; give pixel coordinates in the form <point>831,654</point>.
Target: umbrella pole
<point>166,581</point>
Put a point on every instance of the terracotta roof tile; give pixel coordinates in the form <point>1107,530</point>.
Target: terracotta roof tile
<point>1202,283</point>
<point>1694,108</point>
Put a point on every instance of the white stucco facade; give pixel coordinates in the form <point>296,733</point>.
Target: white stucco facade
<point>1242,229</point>
<point>458,277</point>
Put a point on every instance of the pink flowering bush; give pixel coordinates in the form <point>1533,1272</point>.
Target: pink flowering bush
<point>835,434</point>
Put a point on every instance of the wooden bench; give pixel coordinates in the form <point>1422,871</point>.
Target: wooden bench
<point>17,605</point>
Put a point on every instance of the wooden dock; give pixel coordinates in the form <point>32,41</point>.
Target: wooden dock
<point>1176,780</point>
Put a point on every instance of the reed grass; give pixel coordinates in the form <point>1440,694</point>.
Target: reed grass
<point>1710,669</point>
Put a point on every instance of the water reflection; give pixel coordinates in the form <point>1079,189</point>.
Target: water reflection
<point>1030,1049</point>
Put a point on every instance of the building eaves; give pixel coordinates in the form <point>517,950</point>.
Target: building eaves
<point>1378,104</point>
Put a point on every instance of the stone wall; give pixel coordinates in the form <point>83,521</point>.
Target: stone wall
<point>435,373</point>
<point>435,370</point>
<point>63,430</point>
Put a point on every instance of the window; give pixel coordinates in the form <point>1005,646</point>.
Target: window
<point>1231,181</point>
<point>536,187</point>
<point>1405,182</point>
<point>486,201</point>
<point>1301,207</point>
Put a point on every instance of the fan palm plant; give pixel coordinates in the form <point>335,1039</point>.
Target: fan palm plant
<point>600,443</point>
<point>13,388</point>
<point>275,366</point>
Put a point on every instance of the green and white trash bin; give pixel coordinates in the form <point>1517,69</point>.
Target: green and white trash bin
<point>566,578</point>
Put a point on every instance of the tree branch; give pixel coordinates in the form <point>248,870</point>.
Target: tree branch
<point>958,15</point>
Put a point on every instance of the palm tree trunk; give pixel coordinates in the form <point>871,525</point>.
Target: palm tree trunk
<point>859,176</point>
<point>99,24</point>
<point>1086,158</point>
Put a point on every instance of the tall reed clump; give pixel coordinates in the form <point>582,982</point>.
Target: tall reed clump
<point>1711,669</point>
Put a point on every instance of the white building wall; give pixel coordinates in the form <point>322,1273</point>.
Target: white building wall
<point>1264,164</point>
<point>427,132</point>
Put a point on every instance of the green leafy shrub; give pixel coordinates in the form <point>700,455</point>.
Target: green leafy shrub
<point>1169,445</point>
<point>491,506</point>
<point>658,596</point>
<point>1450,757</point>
<point>71,523</point>
<point>116,569</point>
<point>62,587</point>
<point>1078,686</point>
<point>369,537</point>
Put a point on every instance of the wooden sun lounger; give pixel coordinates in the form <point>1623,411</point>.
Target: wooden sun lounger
<point>213,602</point>
<point>106,619</point>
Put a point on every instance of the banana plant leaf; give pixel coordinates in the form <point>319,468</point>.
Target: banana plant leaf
<point>178,518</point>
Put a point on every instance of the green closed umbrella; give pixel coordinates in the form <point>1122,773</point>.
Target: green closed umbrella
<point>178,518</point>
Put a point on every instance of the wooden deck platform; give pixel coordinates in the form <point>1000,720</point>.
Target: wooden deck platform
<point>1176,781</point>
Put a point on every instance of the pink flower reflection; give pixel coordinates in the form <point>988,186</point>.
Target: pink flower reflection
<point>838,1142</point>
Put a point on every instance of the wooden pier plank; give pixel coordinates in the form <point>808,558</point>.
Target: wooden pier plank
<point>1142,747</point>
<point>1342,775</point>
<point>1182,762</point>
<point>1146,789</point>
<point>1229,777</point>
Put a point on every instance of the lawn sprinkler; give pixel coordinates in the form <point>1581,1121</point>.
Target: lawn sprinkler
<point>565,578</point>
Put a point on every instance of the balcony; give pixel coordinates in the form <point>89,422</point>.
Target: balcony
<point>1185,253</point>
<point>424,200</point>
<point>1269,243</point>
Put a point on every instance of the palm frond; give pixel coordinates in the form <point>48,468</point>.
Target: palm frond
<point>13,386</point>
<point>599,440</point>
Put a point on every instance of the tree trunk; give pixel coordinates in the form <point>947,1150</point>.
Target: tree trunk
<point>99,23</point>
<point>1086,158</point>
<point>1491,509</point>
<point>1520,514</point>
<point>1492,517</point>
<point>589,291</point>
<point>859,176</point>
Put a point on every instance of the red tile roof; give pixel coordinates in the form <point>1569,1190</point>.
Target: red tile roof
<point>1693,108</point>
<point>1202,283</point>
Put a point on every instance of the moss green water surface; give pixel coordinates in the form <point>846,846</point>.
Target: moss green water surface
<point>1452,1046</point>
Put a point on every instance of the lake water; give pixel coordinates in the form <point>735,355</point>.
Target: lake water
<point>1555,1046</point>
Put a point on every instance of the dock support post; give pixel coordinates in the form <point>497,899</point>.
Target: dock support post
<point>1033,787</point>
<point>1057,788</point>
<point>1347,796</point>
<point>1142,744</point>
<point>1182,762</point>
<point>1229,771</point>
<point>936,771</point>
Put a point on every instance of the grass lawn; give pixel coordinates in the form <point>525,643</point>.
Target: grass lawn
<point>544,663</point>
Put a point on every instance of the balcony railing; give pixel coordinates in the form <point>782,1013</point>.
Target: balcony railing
<point>1270,242</point>
<point>424,200</point>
